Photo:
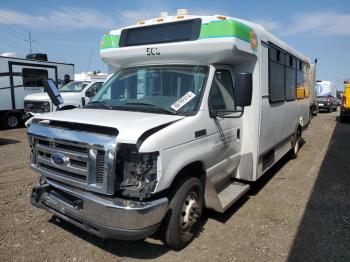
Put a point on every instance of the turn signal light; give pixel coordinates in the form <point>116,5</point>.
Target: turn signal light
<point>221,17</point>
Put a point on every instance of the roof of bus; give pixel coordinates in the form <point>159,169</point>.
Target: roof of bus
<point>261,33</point>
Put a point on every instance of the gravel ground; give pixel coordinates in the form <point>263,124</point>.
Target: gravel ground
<point>299,211</point>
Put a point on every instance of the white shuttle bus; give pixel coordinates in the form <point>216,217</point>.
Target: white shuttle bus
<point>21,77</point>
<point>199,107</point>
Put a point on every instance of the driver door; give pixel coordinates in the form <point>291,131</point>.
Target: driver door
<point>224,132</point>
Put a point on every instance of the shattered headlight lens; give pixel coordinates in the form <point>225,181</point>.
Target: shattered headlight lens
<point>139,172</point>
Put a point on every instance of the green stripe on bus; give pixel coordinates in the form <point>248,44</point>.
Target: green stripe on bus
<point>110,41</point>
<point>214,29</point>
<point>226,28</point>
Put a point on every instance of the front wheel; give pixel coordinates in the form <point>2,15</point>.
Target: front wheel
<point>185,211</point>
<point>11,121</point>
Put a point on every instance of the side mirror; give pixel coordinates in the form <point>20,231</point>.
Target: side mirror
<point>90,93</point>
<point>53,92</point>
<point>243,89</point>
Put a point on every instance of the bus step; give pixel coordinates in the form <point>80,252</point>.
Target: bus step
<point>231,194</point>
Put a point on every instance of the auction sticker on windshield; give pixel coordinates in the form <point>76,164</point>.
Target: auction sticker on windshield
<point>183,100</point>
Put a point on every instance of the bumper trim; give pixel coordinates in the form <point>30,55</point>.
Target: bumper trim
<point>102,216</point>
<point>101,230</point>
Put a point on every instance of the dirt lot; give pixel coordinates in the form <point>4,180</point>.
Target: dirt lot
<point>300,211</point>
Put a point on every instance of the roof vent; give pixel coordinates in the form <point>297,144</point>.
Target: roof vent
<point>182,12</point>
<point>37,56</point>
<point>9,54</point>
<point>163,14</point>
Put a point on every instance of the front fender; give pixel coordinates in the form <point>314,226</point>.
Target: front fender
<point>173,160</point>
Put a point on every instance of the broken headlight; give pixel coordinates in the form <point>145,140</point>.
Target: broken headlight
<point>136,172</point>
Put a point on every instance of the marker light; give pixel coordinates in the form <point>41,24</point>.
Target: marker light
<point>141,22</point>
<point>182,12</point>
<point>221,17</point>
<point>160,20</point>
<point>180,17</point>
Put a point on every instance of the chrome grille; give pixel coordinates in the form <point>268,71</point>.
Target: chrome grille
<point>78,158</point>
<point>77,166</point>
<point>100,166</point>
<point>34,106</point>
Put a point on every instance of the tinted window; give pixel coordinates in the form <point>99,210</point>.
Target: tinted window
<point>290,83</point>
<point>74,86</point>
<point>34,77</point>
<point>300,74</point>
<point>276,82</point>
<point>221,92</point>
<point>276,74</point>
<point>291,78</point>
<point>163,33</point>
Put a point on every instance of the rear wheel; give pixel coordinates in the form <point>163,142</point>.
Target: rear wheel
<point>11,120</point>
<point>296,141</point>
<point>185,210</point>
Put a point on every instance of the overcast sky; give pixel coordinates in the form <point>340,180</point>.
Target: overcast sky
<point>68,30</point>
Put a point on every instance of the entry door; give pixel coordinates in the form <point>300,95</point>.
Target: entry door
<point>225,132</point>
<point>27,79</point>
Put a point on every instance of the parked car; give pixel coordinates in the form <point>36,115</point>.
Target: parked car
<point>339,101</point>
<point>74,94</point>
<point>327,103</point>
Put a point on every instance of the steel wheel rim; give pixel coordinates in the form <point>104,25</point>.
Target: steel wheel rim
<point>189,212</point>
<point>296,147</point>
<point>12,121</point>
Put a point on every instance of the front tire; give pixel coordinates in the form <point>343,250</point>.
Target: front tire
<point>11,121</point>
<point>185,211</point>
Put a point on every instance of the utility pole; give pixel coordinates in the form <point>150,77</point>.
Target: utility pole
<point>30,43</point>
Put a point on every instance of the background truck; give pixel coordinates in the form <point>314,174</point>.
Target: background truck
<point>75,94</point>
<point>345,106</point>
<point>21,77</point>
<point>326,96</point>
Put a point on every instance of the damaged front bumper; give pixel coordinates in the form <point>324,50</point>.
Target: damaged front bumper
<point>103,216</point>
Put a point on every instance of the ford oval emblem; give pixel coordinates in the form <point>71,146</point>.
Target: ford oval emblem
<point>59,159</point>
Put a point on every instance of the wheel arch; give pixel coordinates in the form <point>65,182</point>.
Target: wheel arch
<point>193,169</point>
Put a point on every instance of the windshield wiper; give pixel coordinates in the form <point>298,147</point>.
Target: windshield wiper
<point>100,103</point>
<point>152,105</point>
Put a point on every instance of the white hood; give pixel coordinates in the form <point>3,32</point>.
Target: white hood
<point>37,97</point>
<point>131,125</point>
<point>70,98</point>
